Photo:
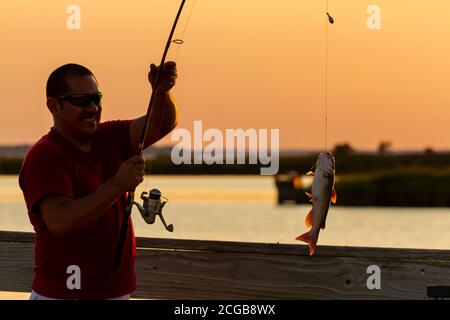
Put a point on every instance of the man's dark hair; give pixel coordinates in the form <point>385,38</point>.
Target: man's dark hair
<point>57,84</point>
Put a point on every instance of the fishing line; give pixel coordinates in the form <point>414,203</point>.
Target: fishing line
<point>178,41</point>
<point>330,20</point>
<point>326,78</point>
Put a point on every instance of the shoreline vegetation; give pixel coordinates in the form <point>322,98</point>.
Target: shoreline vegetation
<point>383,178</point>
<point>346,164</point>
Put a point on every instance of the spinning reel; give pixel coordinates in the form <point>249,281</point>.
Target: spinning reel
<point>152,206</point>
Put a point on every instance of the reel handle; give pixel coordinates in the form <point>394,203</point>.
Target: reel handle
<point>168,227</point>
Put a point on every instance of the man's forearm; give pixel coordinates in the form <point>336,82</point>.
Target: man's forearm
<point>74,216</point>
<point>166,114</point>
<point>164,120</point>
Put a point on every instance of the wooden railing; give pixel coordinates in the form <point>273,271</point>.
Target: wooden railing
<point>194,269</point>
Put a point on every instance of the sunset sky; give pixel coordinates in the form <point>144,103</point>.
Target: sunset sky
<point>244,64</point>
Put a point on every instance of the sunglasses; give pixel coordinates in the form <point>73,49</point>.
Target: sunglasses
<point>82,100</point>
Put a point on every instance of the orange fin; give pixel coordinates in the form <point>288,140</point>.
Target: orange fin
<point>309,219</point>
<point>309,196</point>
<point>310,240</point>
<point>333,197</point>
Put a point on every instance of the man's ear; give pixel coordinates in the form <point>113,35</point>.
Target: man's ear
<point>53,105</point>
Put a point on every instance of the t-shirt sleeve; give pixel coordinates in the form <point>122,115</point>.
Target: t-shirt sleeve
<point>44,173</point>
<point>118,132</point>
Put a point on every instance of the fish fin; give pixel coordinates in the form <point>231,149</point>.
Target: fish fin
<point>322,226</point>
<point>309,218</point>
<point>310,240</point>
<point>309,196</point>
<point>334,196</point>
<point>311,172</point>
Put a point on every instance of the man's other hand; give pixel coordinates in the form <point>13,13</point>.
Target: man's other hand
<point>166,79</point>
<point>130,174</point>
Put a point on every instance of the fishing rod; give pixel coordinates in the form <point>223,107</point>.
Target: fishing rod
<point>152,203</point>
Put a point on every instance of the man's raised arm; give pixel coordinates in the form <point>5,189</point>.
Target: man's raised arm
<point>165,114</point>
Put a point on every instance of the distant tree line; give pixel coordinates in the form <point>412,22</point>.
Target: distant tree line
<point>348,161</point>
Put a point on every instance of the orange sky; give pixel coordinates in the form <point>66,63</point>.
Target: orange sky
<point>244,64</point>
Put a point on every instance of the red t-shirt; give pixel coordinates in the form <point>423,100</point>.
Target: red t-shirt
<point>54,166</point>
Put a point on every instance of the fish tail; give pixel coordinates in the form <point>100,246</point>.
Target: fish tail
<point>310,239</point>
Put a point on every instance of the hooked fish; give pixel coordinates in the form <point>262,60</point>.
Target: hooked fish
<point>321,196</point>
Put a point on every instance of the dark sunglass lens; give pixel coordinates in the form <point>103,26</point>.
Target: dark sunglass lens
<point>84,100</point>
<point>80,101</point>
<point>96,98</point>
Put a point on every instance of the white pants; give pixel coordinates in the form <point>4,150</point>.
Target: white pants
<point>37,296</point>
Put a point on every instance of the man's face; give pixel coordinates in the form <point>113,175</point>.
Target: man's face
<point>79,121</point>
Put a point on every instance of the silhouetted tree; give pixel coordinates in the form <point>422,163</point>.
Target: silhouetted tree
<point>343,150</point>
<point>384,147</point>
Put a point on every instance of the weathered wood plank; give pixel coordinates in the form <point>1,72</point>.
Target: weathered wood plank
<point>267,248</point>
<point>214,275</point>
<point>191,269</point>
<point>294,249</point>
<point>16,266</point>
<point>12,236</point>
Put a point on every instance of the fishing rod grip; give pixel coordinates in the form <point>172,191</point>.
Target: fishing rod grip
<point>123,230</point>
<point>126,217</point>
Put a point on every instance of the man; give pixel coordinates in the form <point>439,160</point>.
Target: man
<point>74,181</point>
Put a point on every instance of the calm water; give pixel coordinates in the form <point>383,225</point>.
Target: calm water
<point>244,209</point>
